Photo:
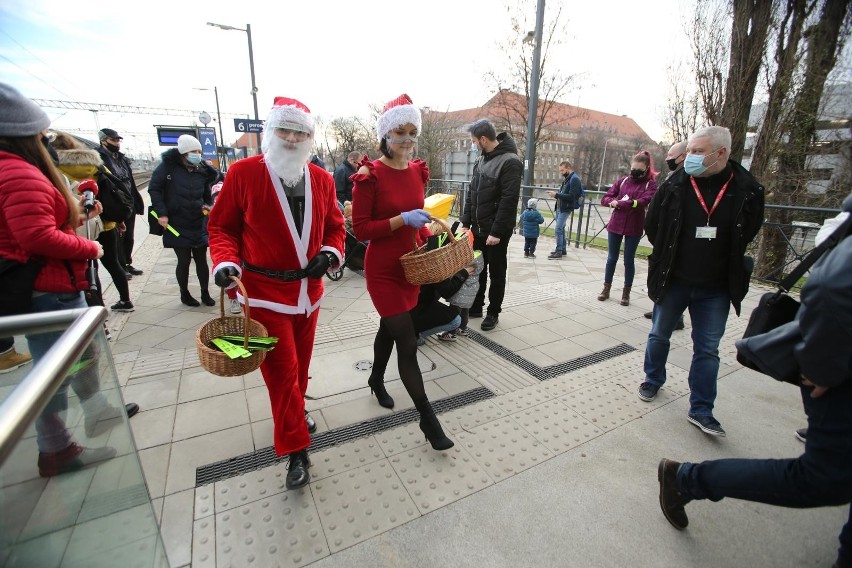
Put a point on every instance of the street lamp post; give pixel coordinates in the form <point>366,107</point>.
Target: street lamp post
<point>222,155</point>
<point>251,68</point>
<point>529,157</point>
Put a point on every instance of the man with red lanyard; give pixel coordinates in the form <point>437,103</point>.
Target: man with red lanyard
<point>700,222</point>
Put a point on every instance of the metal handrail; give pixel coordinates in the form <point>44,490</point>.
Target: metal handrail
<point>30,397</point>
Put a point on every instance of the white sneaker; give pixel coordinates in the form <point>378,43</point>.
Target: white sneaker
<point>235,307</point>
<point>447,336</point>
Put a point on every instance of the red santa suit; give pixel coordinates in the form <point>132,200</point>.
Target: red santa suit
<point>252,223</point>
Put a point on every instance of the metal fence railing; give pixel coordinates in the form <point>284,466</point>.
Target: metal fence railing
<point>589,223</point>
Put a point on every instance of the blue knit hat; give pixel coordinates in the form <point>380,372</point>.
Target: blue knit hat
<point>19,116</point>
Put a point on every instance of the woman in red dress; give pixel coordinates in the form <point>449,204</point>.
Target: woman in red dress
<point>387,210</point>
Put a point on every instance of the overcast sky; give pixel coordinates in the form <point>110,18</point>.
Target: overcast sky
<point>338,57</point>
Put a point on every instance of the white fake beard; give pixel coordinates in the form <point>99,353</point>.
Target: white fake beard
<point>288,159</point>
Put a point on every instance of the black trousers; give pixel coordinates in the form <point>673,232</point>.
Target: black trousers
<point>496,265</point>
<point>126,242</point>
<point>112,262</point>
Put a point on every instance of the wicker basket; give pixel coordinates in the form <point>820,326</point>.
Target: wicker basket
<point>433,266</point>
<point>215,360</point>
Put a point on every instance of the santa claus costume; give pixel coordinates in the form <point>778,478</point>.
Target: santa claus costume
<point>387,210</point>
<point>278,228</point>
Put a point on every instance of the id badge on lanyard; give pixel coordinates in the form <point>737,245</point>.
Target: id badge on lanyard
<point>708,232</point>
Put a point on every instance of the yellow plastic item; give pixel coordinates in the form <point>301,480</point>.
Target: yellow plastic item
<point>439,205</point>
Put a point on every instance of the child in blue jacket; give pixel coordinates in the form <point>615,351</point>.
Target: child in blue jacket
<point>530,221</point>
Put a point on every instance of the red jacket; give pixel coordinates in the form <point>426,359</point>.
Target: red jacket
<point>252,222</point>
<point>32,218</point>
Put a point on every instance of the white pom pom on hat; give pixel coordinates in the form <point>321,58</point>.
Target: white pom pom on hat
<point>396,113</point>
<point>187,143</point>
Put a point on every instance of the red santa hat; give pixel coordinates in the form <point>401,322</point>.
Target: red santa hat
<point>291,114</point>
<point>396,113</point>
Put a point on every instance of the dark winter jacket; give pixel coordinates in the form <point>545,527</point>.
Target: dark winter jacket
<point>119,166</point>
<point>342,184</point>
<point>429,313</point>
<point>663,226</point>
<point>628,217</point>
<point>181,194</point>
<point>569,193</point>
<point>494,190</point>
<point>530,221</point>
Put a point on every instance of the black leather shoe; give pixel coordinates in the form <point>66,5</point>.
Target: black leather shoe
<point>297,470</point>
<point>490,322</point>
<point>131,408</point>
<point>312,425</point>
<point>134,271</point>
<point>672,500</point>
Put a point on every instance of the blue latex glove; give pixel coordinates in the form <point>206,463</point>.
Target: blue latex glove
<point>415,218</point>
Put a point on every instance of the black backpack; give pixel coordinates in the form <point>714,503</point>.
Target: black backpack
<point>114,196</point>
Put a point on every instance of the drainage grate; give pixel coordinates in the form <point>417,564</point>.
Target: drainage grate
<point>586,360</point>
<point>239,465</point>
<point>551,371</point>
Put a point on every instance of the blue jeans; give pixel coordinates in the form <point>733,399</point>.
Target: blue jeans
<point>452,326</point>
<point>561,221</point>
<point>708,309</point>
<point>51,433</point>
<point>820,477</point>
<point>630,245</point>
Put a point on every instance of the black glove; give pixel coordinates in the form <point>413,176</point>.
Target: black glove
<point>222,278</point>
<point>318,265</point>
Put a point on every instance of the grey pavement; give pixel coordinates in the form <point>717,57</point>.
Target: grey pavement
<point>555,472</point>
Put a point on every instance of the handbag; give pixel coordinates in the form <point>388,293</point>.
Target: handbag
<point>776,309</point>
<point>17,280</point>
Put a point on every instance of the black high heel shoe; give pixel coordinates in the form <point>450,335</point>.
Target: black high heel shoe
<point>377,387</point>
<point>433,432</point>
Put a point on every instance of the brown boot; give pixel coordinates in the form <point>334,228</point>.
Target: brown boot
<point>625,296</point>
<point>605,294</point>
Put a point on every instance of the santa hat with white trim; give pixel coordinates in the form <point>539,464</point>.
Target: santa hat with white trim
<point>290,114</point>
<point>396,113</point>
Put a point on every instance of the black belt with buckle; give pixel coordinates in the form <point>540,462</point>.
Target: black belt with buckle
<point>288,275</point>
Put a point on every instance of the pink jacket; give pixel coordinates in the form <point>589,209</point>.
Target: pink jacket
<point>632,198</point>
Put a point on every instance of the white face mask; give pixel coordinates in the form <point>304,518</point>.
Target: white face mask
<point>288,159</point>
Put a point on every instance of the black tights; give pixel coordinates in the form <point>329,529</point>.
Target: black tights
<point>199,255</point>
<point>399,330</point>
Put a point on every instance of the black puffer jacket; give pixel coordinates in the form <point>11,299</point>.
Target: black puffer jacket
<point>180,194</point>
<point>663,225</point>
<point>492,204</point>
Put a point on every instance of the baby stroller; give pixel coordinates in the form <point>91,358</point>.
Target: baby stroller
<point>353,254</point>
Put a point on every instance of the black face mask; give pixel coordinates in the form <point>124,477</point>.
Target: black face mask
<point>637,174</point>
<point>672,164</point>
<point>112,147</point>
<point>50,150</point>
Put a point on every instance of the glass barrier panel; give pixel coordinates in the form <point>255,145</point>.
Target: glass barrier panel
<point>72,492</point>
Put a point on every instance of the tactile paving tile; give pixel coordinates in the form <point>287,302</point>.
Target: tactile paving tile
<point>204,501</point>
<point>359,504</point>
<point>557,426</point>
<point>471,416</point>
<point>344,457</point>
<point>503,448</point>
<point>250,487</point>
<point>159,363</point>
<point>434,479</point>
<point>522,399</point>
<point>204,543</point>
<point>609,405</point>
<point>281,530</point>
<point>400,439</point>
